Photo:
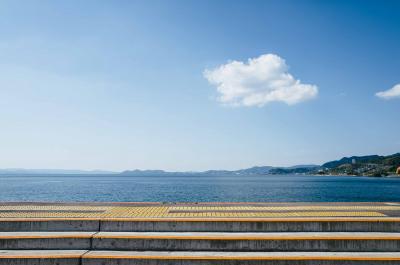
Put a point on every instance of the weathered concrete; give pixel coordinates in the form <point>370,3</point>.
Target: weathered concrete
<point>31,224</point>
<point>255,225</point>
<point>45,240</point>
<point>204,225</point>
<point>359,242</point>
<point>193,258</point>
<point>231,262</point>
<point>40,261</point>
<point>199,241</point>
<point>200,234</point>
<point>37,257</point>
<point>236,258</point>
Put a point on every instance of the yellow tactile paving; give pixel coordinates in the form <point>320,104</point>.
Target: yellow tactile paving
<point>49,215</point>
<point>53,207</point>
<point>77,211</point>
<point>288,208</point>
<point>279,214</point>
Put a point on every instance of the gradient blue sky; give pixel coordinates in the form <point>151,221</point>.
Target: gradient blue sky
<point>119,84</point>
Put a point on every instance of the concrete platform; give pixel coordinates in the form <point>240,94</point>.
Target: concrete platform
<point>197,210</point>
<point>200,234</point>
<point>204,217</point>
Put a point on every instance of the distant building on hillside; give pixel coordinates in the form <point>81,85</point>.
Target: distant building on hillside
<point>398,171</point>
<point>353,161</point>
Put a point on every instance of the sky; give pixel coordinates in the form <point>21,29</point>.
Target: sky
<point>196,85</point>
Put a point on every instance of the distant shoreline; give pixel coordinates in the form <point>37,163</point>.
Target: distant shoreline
<point>368,166</point>
<point>190,175</point>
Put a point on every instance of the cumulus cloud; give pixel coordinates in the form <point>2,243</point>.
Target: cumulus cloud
<point>394,92</point>
<point>257,82</point>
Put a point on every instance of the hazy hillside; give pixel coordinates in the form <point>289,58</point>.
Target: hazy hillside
<point>372,165</point>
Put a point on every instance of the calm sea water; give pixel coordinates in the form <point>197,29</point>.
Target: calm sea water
<point>276,188</point>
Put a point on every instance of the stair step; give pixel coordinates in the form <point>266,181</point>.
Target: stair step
<point>45,240</point>
<point>246,236</point>
<point>199,241</point>
<point>83,257</point>
<point>300,241</point>
<point>320,224</point>
<point>225,258</point>
<point>48,224</point>
<point>42,257</point>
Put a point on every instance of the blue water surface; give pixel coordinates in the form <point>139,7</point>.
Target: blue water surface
<point>276,188</point>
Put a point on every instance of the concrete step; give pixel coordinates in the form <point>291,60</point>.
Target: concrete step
<point>236,258</point>
<point>49,224</point>
<point>45,240</point>
<point>83,257</point>
<point>323,224</point>
<point>41,257</point>
<point>350,224</point>
<point>201,241</point>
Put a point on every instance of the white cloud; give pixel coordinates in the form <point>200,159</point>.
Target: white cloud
<point>394,92</point>
<point>257,82</point>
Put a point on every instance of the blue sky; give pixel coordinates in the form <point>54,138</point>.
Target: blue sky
<point>123,84</point>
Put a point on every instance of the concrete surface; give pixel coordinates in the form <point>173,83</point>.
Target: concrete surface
<point>254,225</point>
<point>45,240</point>
<point>200,234</point>
<point>197,210</point>
<point>40,257</point>
<point>225,258</point>
<point>42,224</point>
<point>359,242</point>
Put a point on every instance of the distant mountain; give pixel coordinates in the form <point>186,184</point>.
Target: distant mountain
<point>301,169</point>
<point>22,171</point>
<point>393,160</point>
<point>255,170</point>
<point>371,165</point>
<point>258,170</point>
<point>138,172</point>
<point>303,166</point>
<point>348,160</point>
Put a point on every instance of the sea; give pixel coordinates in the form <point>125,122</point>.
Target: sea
<point>251,188</point>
